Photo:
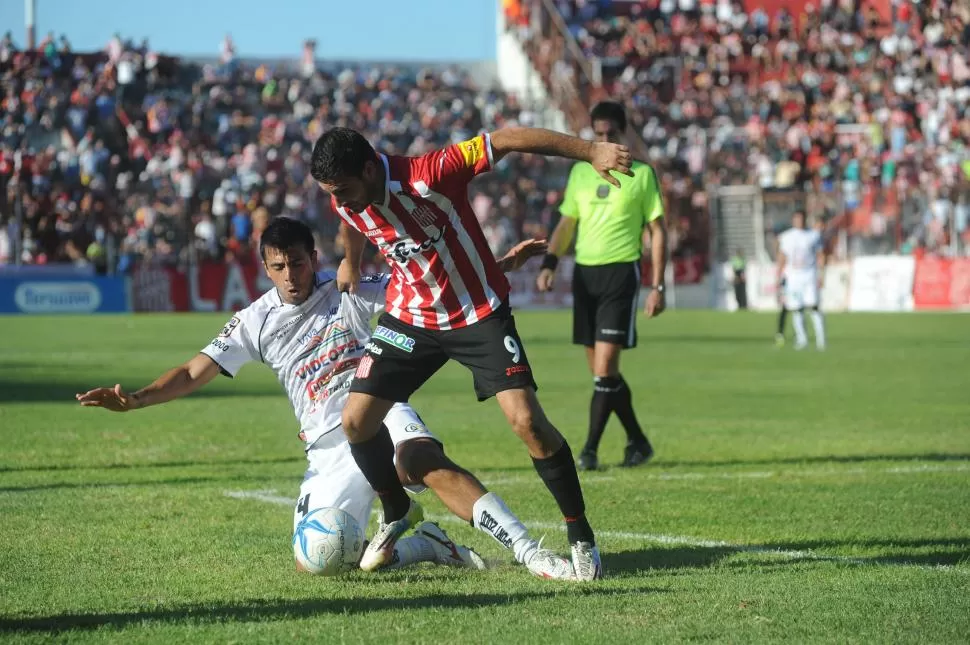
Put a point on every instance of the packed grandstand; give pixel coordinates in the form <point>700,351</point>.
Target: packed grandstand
<point>130,157</point>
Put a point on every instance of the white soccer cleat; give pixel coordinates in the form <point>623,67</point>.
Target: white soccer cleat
<point>446,551</point>
<point>587,562</point>
<point>544,563</point>
<point>380,550</point>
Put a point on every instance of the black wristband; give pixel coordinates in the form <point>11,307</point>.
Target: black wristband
<point>550,261</point>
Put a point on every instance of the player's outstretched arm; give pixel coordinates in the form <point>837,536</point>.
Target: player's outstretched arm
<point>177,382</point>
<point>522,253</point>
<point>605,158</point>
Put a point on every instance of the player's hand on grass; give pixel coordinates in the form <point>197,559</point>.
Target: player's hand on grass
<point>348,277</point>
<point>114,399</point>
<point>611,157</point>
<point>655,304</point>
<point>522,253</point>
<point>545,280</point>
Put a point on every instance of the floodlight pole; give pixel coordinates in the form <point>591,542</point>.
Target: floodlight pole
<point>29,9</point>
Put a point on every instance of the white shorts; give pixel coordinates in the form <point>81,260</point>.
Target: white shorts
<point>332,478</point>
<point>801,290</point>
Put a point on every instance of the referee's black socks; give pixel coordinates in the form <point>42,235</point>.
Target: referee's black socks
<point>558,472</point>
<point>375,458</point>
<point>611,394</point>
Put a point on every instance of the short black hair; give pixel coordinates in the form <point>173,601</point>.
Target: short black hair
<point>609,111</point>
<point>284,233</point>
<point>340,152</point>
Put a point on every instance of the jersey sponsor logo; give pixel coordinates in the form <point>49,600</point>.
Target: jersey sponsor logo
<point>374,349</point>
<point>490,524</point>
<point>402,250</point>
<point>229,328</point>
<point>396,339</point>
<point>374,277</point>
<point>603,191</point>
<point>374,232</point>
<point>330,357</point>
<point>308,336</point>
<point>218,344</point>
<point>335,332</point>
<point>363,368</point>
<point>320,389</point>
<point>472,151</point>
<point>517,369</point>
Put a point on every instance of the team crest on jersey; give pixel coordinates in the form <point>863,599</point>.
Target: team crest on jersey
<point>229,328</point>
<point>424,216</point>
<point>603,191</point>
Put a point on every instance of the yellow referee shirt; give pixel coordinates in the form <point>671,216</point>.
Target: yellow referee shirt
<point>611,220</point>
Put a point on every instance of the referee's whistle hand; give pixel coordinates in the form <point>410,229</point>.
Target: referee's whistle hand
<point>607,158</point>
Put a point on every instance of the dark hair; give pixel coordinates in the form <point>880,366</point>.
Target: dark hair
<point>609,111</point>
<point>340,152</point>
<point>284,233</point>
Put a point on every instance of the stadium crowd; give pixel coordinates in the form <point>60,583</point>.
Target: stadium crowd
<point>838,98</point>
<point>163,157</point>
<point>128,155</point>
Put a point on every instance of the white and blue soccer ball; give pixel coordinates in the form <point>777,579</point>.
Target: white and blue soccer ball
<point>328,542</point>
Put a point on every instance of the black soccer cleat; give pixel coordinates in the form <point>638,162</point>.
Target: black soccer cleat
<point>588,460</point>
<point>636,453</point>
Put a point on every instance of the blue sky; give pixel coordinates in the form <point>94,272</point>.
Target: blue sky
<point>433,30</point>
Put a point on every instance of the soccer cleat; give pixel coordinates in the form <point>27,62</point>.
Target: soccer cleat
<point>779,340</point>
<point>586,561</point>
<point>380,550</point>
<point>446,551</point>
<point>800,346</point>
<point>637,453</point>
<point>588,460</point>
<point>544,563</point>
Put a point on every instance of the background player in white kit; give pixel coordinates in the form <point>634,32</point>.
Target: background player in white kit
<point>313,338</point>
<point>800,272</point>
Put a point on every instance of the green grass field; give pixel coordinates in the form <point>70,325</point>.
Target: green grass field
<point>795,497</point>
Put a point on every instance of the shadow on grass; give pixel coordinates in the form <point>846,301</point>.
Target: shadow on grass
<point>660,465</point>
<point>148,465</point>
<point>174,481</point>
<point>634,563</point>
<point>260,611</point>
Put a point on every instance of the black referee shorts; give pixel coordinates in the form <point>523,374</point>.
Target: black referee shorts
<point>605,303</point>
<point>399,358</point>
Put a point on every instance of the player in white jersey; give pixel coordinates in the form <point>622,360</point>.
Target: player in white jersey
<point>313,337</point>
<point>800,271</point>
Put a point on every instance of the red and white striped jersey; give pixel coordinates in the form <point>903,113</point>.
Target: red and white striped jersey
<point>443,274</point>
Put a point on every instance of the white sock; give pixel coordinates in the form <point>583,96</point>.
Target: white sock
<point>818,321</point>
<point>411,550</point>
<point>798,322</point>
<point>491,515</point>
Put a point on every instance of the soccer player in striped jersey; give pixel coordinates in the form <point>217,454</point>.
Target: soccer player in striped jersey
<point>447,300</point>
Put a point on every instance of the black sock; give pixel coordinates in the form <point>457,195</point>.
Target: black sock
<point>781,321</point>
<point>559,475</point>
<point>623,406</point>
<point>600,407</point>
<point>375,458</point>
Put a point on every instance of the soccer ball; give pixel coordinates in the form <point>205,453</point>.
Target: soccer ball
<point>328,542</point>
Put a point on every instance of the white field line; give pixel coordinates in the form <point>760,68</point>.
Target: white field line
<point>749,474</point>
<point>273,497</point>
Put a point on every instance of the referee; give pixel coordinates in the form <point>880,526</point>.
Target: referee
<point>606,280</point>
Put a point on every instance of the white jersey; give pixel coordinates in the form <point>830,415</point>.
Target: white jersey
<point>313,348</point>
<point>801,247</point>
